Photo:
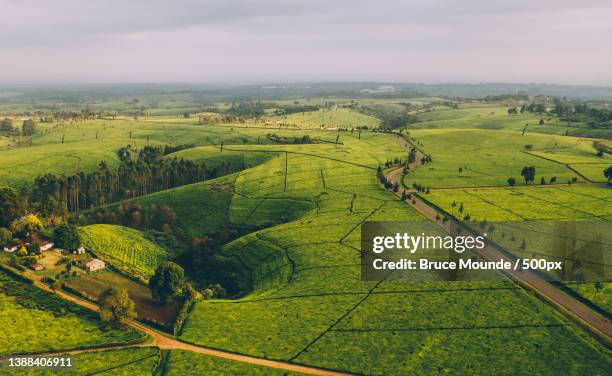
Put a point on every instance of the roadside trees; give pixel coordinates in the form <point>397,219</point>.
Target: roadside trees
<point>116,306</point>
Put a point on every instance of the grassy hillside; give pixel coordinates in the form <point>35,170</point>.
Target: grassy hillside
<point>69,148</point>
<point>310,306</point>
<point>124,248</point>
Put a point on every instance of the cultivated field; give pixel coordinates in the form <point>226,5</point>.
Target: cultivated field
<point>124,362</point>
<point>124,248</point>
<point>292,206</point>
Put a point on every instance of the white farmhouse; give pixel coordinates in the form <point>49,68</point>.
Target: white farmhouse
<point>94,264</point>
<point>46,246</point>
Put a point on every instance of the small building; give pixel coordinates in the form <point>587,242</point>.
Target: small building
<point>11,249</point>
<point>37,267</point>
<point>80,251</point>
<point>94,264</point>
<point>46,246</point>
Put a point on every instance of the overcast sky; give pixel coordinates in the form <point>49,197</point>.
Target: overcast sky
<point>554,41</point>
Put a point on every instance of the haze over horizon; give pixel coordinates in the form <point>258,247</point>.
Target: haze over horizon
<point>236,41</point>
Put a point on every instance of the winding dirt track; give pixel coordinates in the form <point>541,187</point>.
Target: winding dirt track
<point>164,342</point>
<point>593,320</point>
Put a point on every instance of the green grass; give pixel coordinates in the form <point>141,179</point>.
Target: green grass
<point>87,143</point>
<point>212,156</point>
<point>39,321</point>
<point>23,164</point>
<point>601,297</point>
<point>473,158</point>
<point>124,248</point>
<point>308,299</point>
<point>304,204</point>
<point>327,118</point>
<point>495,117</point>
<point>515,351</point>
<point>563,202</point>
<point>136,361</point>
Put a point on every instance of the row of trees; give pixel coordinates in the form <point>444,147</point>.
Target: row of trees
<point>139,173</point>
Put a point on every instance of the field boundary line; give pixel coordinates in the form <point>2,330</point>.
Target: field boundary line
<point>451,328</point>
<point>330,328</point>
<point>562,164</point>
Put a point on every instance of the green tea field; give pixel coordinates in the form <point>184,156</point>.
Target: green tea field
<point>124,248</point>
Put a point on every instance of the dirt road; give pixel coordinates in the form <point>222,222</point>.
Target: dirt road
<point>596,322</point>
<point>165,342</point>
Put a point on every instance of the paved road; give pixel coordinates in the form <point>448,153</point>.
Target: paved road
<point>594,320</point>
<point>165,342</point>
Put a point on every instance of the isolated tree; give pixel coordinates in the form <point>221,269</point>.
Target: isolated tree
<point>66,236</point>
<point>511,181</point>
<point>29,127</point>
<point>167,281</point>
<point>116,306</point>
<point>608,173</point>
<point>541,122</point>
<point>528,173</point>
<point>543,181</point>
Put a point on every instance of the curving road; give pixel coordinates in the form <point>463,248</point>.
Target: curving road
<point>593,320</point>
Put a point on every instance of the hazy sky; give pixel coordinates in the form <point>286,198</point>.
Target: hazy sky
<point>556,41</point>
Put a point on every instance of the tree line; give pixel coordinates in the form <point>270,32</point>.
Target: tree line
<point>139,173</point>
